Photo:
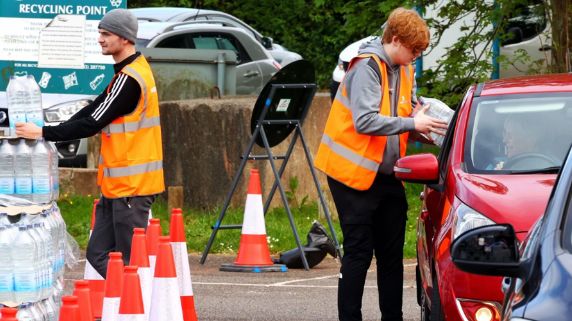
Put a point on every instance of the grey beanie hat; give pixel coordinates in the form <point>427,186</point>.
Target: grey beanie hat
<point>120,22</point>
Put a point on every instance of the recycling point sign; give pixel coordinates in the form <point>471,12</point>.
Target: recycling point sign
<point>56,42</point>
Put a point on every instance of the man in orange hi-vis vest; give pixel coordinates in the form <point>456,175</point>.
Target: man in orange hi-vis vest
<point>366,132</point>
<point>130,172</point>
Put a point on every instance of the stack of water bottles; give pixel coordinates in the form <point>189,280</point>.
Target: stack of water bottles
<point>32,238</point>
<point>32,264</point>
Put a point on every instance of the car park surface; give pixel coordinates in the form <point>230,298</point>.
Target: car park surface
<point>473,183</point>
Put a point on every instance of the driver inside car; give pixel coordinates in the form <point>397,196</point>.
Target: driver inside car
<point>519,137</point>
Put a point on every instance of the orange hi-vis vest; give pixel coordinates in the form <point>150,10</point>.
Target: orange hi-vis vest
<point>131,161</point>
<point>352,158</point>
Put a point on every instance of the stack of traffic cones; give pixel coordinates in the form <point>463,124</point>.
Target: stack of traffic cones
<point>181,257</point>
<point>96,281</point>
<point>140,258</point>
<point>70,309</point>
<point>8,314</point>
<point>253,253</point>
<point>113,287</point>
<point>152,239</point>
<point>131,306</point>
<point>165,300</point>
<point>81,291</point>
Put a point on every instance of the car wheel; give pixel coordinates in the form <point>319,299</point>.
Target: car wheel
<point>436,309</point>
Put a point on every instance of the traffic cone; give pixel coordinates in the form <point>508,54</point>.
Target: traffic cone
<point>113,287</point>
<point>165,300</point>
<point>140,258</point>
<point>181,257</point>
<point>152,239</point>
<point>81,290</point>
<point>70,309</point>
<point>96,281</point>
<point>8,314</point>
<point>131,306</point>
<point>253,254</point>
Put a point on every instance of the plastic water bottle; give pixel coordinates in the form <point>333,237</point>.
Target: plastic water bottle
<point>24,260</point>
<point>34,111</point>
<point>41,181</point>
<point>6,167</point>
<point>24,313</point>
<point>18,99</point>
<point>6,268</point>
<point>54,171</point>
<point>23,170</point>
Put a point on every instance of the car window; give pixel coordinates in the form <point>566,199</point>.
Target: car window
<point>518,133</point>
<point>211,40</point>
<point>447,143</point>
<point>525,22</point>
<point>233,22</point>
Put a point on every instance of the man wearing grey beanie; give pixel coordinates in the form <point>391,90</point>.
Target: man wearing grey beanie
<point>130,172</point>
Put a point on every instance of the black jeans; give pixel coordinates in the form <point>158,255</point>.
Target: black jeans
<point>115,220</point>
<point>372,222</point>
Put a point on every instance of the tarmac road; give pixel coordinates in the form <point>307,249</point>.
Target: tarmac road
<point>293,295</point>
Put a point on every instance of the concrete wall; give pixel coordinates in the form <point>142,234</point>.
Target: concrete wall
<point>203,140</point>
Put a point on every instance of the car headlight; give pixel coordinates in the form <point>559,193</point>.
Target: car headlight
<point>467,218</point>
<point>64,111</point>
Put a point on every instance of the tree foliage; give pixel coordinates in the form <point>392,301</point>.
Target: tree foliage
<point>320,29</point>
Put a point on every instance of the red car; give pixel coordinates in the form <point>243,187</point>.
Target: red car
<point>498,163</point>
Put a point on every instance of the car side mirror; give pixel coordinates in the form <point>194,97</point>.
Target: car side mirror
<point>267,42</point>
<point>420,168</point>
<point>488,250</point>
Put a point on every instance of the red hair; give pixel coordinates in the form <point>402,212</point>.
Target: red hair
<point>409,28</point>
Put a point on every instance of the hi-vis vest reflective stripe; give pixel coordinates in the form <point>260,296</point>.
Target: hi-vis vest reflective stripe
<point>352,158</point>
<point>131,162</point>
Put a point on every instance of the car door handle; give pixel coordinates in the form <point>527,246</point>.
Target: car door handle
<point>251,73</point>
<point>545,48</point>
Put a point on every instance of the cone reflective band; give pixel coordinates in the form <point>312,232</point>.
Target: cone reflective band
<point>165,300</point>
<point>81,290</point>
<point>8,314</point>
<point>152,239</point>
<point>131,306</point>
<point>70,309</point>
<point>181,257</point>
<point>253,253</point>
<point>140,258</point>
<point>113,287</point>
<point>96,281</point>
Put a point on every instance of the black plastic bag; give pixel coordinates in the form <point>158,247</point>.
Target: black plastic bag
<point>319,245</point>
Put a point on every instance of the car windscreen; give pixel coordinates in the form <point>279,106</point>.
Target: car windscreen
<point>518,134</point>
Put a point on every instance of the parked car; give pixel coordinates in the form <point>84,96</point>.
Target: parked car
<point>529,31</point>
<point>255,65</point>
<point>172,14</point>
<point>538,280</point>
<point>497,165</point>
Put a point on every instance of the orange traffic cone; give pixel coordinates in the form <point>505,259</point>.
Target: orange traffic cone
<point>96,281</point>
<point>8,314</point>
<point>253,254</point>
<point>131,306</point>
<point>181,256</point>
<point>152,239</point>
<point>70,309</point>
<point>140,258</point>
<point>81,290</point>
<point>165,300</point>
<point>113,287</point>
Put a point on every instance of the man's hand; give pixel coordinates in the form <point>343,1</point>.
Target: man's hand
<point>426,124</point>
<point>28,130</point>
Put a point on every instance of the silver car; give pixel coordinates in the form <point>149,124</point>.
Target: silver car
<point>171,14</point>
<point>255,66</point>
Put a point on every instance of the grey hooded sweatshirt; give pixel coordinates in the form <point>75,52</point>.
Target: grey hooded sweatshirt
<point>364,93</point>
